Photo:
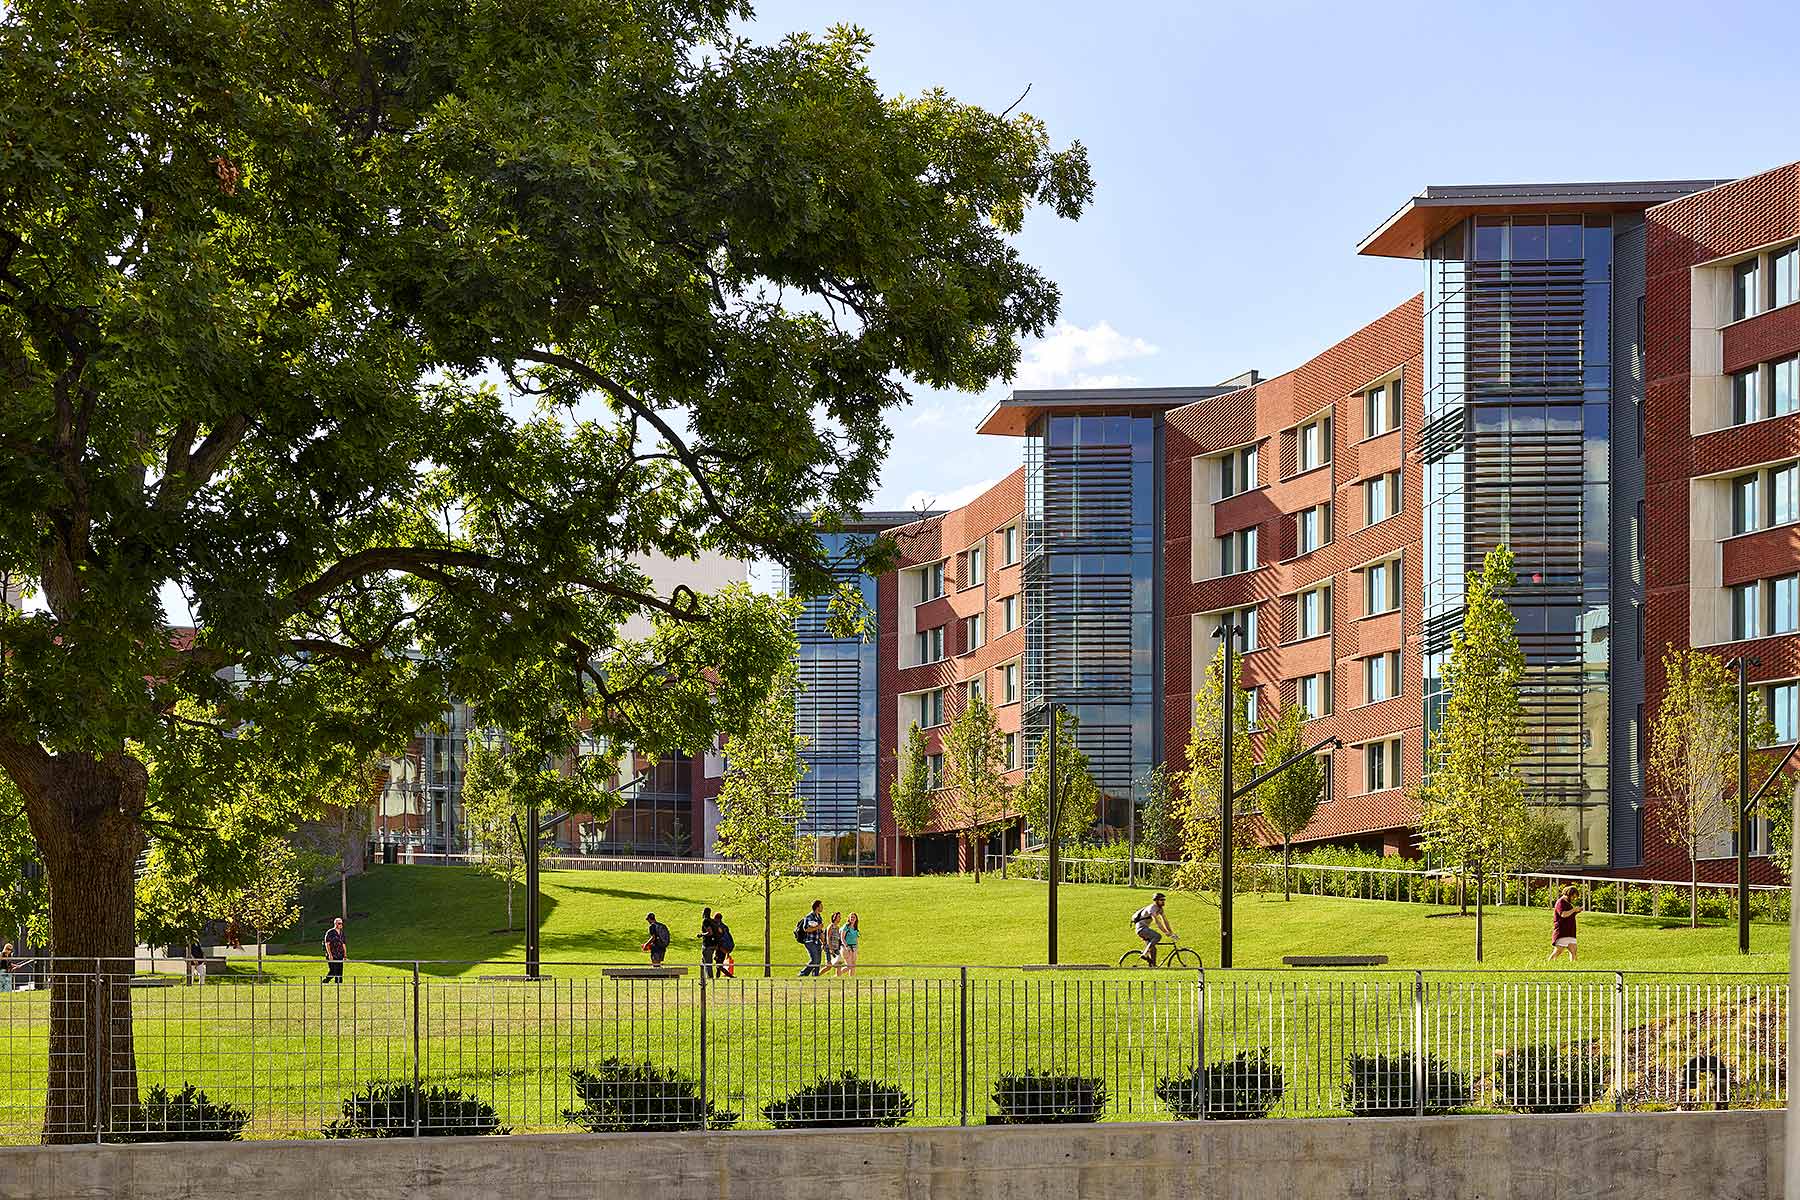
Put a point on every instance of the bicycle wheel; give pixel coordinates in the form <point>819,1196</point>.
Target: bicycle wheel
<point>1181,956</point>
<point>1132,958</point>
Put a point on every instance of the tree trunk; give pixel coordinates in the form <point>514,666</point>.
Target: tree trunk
<point>975,849</point>
<point>1693,892</point>
<point>1478,930</point>
<point>1462,889</point>
<point>768,928</point>
<point>509,910</point>
<point>344,893</point>
<point>83,814</point>
<point>1286,866</point>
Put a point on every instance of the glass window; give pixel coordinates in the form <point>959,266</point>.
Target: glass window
<point>974,632</point>
<point>1783,700</point>
<point>1746,512</point>
<point>1381,497</point>
<point>1746,289</point>
<point>1312,444</point>
<point>1009,544</point>
<point>1381,587</point>
<point>1314,694</point>
<point>1250,707</point>
<point>1746,405</point>
<point>1745,612</point>
<point>1784,615</point>
<point>1784,394</point>
<point>1784,489</point>
<point>972,690</point>
<point>1312,613</point>
<point>1312,528</point>
<point>1245,619</point>
<point>1381,677</point>
<point>931,708</point>
<point>1012,750</point>
<point>931,582</point>
<point>931,644</point>
<point>1381,765</point>
<point>1237,471</point>
<point>1381,409</point>
<point>1009,683</point>
<point>1784,265</point>
<point>977,572</point>
<point>934,770</point>
<point>1009,614</point>
<point>1237,551</point>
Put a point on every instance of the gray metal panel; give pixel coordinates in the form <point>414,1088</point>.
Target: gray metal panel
<point>1627,466</point>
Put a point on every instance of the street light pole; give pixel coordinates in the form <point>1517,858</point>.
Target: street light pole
<point>531,892</point>
<point>1228,702</point>
<point>1744,800</point>
<point>1055,819</point>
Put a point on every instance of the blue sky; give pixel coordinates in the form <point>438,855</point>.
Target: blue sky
<point>1241,151</point>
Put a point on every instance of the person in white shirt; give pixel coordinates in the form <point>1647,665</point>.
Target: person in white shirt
<point>1151,923</point>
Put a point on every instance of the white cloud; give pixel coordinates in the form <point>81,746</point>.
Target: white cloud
<point>1070,352</point>
<point>941,501</point>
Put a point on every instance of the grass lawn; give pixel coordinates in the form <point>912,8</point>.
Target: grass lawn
<point>447,913</point>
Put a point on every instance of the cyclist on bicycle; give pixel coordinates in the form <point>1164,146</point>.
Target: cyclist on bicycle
<point>1151,923</point>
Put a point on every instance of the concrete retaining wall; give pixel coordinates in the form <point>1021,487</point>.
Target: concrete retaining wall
<point>1726,1156</point>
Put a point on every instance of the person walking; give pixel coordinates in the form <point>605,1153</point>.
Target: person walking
<point>6,968</point>
<point>834,940</point>
<point>709,942</point>
<point>336,951</point>
<point>196,962</point>
<point>658,942</point>
<point>811,931</point>
<point>727,965</point>
<point>1562,924</point>
<point>852,936</point>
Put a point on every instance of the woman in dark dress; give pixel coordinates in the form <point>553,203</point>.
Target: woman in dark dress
<point>1562,924</point>
<point>709,942</point>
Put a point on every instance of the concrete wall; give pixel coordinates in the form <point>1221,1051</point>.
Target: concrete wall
<point>1724,1156</point>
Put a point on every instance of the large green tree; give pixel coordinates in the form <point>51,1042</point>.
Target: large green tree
<point>1077,795</point>
<point>975,794</point>
<point>1472,801</point>
<point>909,796</point>
<point>1198,808</point>
<point>379,342</point>
<point>1291,799</point>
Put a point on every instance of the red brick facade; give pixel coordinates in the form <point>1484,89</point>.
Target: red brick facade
<point>1686,241</point>
<point>1266,413</point>
<point>948,538</point>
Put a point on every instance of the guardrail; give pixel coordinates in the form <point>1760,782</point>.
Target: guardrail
<point>588,1046</point>
<point>406,855</point>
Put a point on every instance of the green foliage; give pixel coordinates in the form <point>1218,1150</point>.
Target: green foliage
<point>1243,1087</point>
<point>1199,811</point>
<point>1159,824</point>
<point>1551,1079</point>
<point>1778,807</point>
<point>975,794</point>
<point>1290,799</point>
<point>386,1110</point>
<point>268,899</point>
<point>1377,1085</point>
<point>1077,795</point>
<point>1542,840</point>
<point>494,813</point>
<point>190,1115</point>
<point>637,1096</point>
<point>910,794</point>
<point>841,1101</point>
<point>759,799</point>
<point>1049,1098</point>
<point>24,895</point>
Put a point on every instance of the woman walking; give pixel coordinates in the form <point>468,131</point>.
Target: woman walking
<point>852,935</point>
<point>709,942</point>
<point>834,940</point>
<point>1562,924</point>
<point>6,968</point>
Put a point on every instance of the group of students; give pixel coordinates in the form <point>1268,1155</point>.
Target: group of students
<point>716,944</point>
<point>832,946</point>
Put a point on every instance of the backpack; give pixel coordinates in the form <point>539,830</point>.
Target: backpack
<point>800,931</point>
<point>727,943</point>
<point>659,934</point>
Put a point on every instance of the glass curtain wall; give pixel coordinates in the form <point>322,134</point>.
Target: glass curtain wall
<point>1515,446</point>
<point>835,712</point>
<point>1093,547</point>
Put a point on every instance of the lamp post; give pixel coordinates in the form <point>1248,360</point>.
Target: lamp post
<point>1054,816</point>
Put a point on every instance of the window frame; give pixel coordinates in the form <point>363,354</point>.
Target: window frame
<point>1323,593</point>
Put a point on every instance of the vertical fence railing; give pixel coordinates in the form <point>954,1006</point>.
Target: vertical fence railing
<point>961,1045</point>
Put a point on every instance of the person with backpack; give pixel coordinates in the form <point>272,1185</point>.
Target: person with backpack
<point>810,932</point>
<point>709,942</point>
<point>658,943</point>
<point>726,964</point>
<point>1151,924</point>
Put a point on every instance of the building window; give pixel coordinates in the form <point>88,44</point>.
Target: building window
<point>1381,765</point>
<point>1746,289</point>
<point>1312,528</point>
<point>1784,494</point>
<point>1009,545</point>
<point>1783,702</point>
<point>1237,551</point>
<point>934,770</point>
<point>1012,751</point>
<point>974,632</point>
<point>931,644</point>
<point>1784,265</point>
<point>1237,471</point>
<point>1381,587</point>
<point>1009,614</point>
<point>1313,694</point>
<point>975,573</point>
<point>1381,497</point>
<point>1381,409</point>
<point>931,582</point>
<point>1312,613</point>
<point>1245,619</point>
<point>1746,405</point>
<point>1784,390</point>
<point>1381,677</point>
<point>1746,611</point>
<point>1746,511</point>
<point>973,691</point>
<point>1784,608</point>
<point>1312,444</point>
<point>1251,709</point>
<point>1009,683</point>
<point>931,708</point>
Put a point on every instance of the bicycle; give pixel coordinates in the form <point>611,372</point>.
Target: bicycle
<point>1169,954</point>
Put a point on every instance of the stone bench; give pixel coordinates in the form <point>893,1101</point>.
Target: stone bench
<point>1335,960</point>
<point>644,972</point>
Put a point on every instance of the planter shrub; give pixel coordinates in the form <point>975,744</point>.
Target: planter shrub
<point>1605,898</point>
<point>1639,902</point>
<point>1671,902</point>
<point>190,1115</point>
<point>1715,906</point>
<point>384,1110</point>
<point>1241,1088</point>
<point>841,1100</point>
<point>1047,1098</point>
<point>1551,1079</point>
<point>637,1096</point>
<point>1383,1085</point>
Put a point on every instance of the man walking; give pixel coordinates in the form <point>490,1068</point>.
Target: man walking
<point>658,943</point>
<point>336,950</point>
<point>196,961</point>
<point>812,936</point>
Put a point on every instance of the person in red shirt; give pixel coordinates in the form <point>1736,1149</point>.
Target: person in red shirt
<point>1562,924</point>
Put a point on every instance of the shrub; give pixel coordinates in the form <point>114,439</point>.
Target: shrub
<point>637,1096</point>
<point>1382,1084</point>
<point>1046,1098</point>
<point>1605,898</point>
<point>384,1110</point>
<point>190,1115</point>
<point>1639,902</point>
<point>1715,906</point>
<point>1551,1079</point>
<point>1671,902</point>
<point>1243,1087</point>
<point>846,1099</point>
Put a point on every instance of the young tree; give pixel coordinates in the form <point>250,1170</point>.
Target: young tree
<point>1159,824</point>
<point>975,793</point>
<point>269,899</point>
<point>495,818</point>
<point>909,795</point>
<point>1199,813</point>
<point>1472,802</point>
<point>232,392</point>
<point>1694,755</point>
<point>759,803</point>
<point>1290,799</point>
<point>1077,795</point>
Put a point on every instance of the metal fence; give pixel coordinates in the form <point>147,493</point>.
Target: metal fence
<point>412,1050</point>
